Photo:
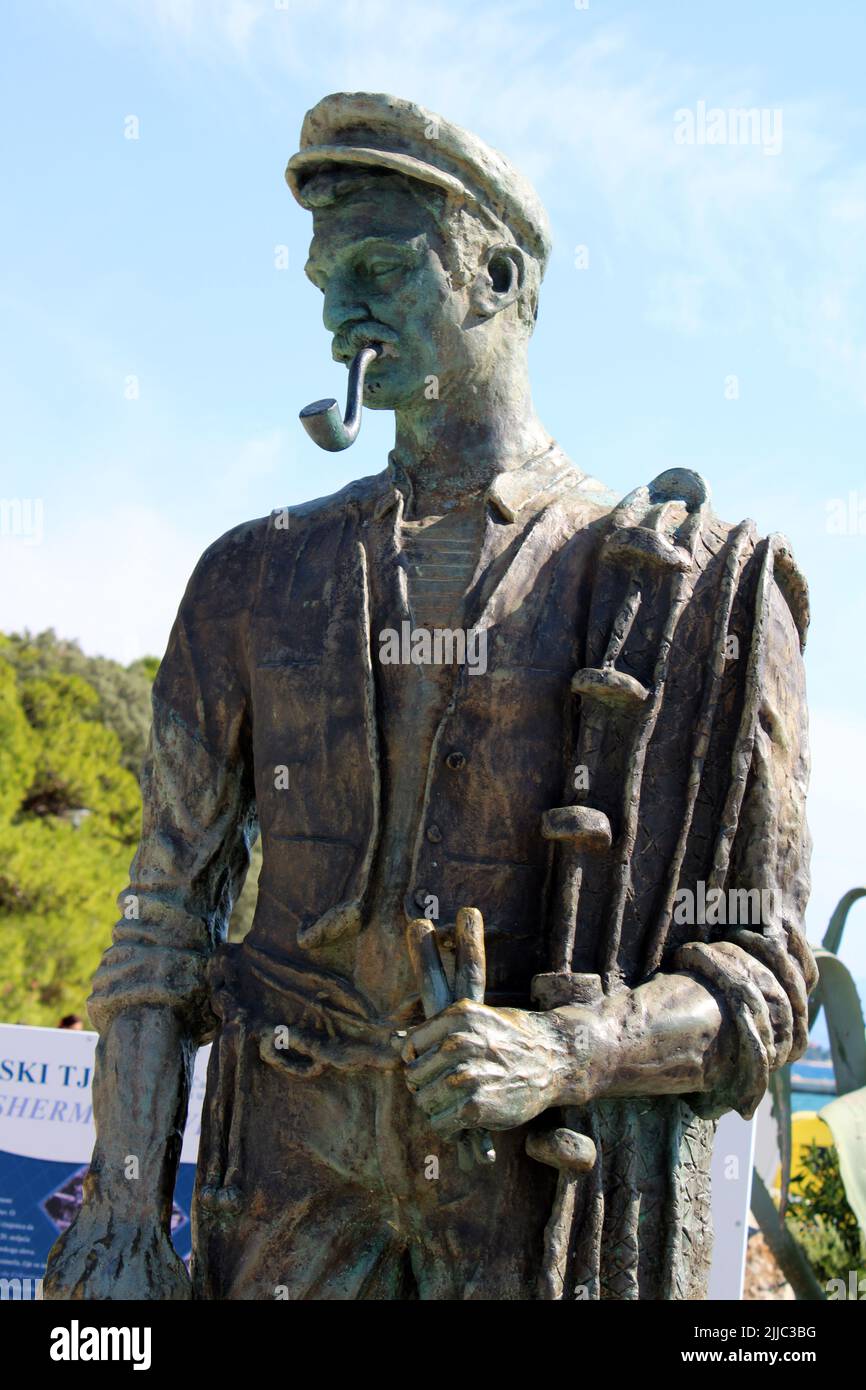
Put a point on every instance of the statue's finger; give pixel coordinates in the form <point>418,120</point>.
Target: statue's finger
<point>470,972</point>
<point>427,963</point>
<point>427,1035</point>
<point>456,1048</point>
<point>449,1122</point>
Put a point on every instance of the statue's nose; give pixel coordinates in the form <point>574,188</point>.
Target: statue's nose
<point>343,305</point>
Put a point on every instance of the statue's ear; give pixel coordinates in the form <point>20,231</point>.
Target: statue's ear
<point>499,281</point>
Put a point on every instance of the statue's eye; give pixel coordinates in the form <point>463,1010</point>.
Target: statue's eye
<point>378,268</point>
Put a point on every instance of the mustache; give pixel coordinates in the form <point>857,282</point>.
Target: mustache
<point>351,337</point>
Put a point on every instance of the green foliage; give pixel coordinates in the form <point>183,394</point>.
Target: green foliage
<point>123,692</point>
<point>846,1118</point>
<point>821,1218</point>
<point>821,1234</point>
<point>72,728</point>
<point>244,909</point>
<point>17,744</point>
<point>146,666</point>
<point>78,759</point>
<point>826,1251</point>
<point>58,886</point>
<point>73,731</point>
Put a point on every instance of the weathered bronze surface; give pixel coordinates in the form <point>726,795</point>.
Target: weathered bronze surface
<point>529,766</point>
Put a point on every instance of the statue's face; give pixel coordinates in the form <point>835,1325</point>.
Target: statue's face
<point>374,255</point>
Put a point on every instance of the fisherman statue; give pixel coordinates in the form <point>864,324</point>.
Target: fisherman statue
<point>529,767</point>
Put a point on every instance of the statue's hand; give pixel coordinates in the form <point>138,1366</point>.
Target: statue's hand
<point>475,1067</point>
<point>106,1256</point>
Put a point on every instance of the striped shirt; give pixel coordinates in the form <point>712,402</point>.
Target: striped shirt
<point>442,553</point>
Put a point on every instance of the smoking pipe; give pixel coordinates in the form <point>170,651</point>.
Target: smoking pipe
<point>321,419</point>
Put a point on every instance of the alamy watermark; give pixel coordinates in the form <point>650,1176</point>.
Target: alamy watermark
<point>846,516</point>
<point>22,519</point>
<point>732,125</point>
<point>20,1290</point>
<point>436,646</point>
<point>723,907</point>
<point>837,1289</point>
<point>77,1343</point>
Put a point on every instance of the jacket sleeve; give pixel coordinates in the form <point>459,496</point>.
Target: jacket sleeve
<point>199,818</point>
<point>764,970</point>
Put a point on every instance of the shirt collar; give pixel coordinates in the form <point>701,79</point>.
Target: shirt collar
<point>510,492</point>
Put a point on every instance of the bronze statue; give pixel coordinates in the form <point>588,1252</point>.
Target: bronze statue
<point>529,767</point>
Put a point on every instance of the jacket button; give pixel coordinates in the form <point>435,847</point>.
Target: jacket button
<point>434,834</point>
<point>455,761</point>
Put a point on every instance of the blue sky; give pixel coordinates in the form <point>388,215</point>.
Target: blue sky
<point>154,258</point>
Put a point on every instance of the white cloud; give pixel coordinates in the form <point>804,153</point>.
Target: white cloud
<point>588,110</point>
<point>111,581</point>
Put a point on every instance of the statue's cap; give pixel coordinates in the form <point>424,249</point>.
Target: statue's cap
<point>375,129</point>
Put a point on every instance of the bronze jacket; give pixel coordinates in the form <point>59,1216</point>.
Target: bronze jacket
<point>265,719</point>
